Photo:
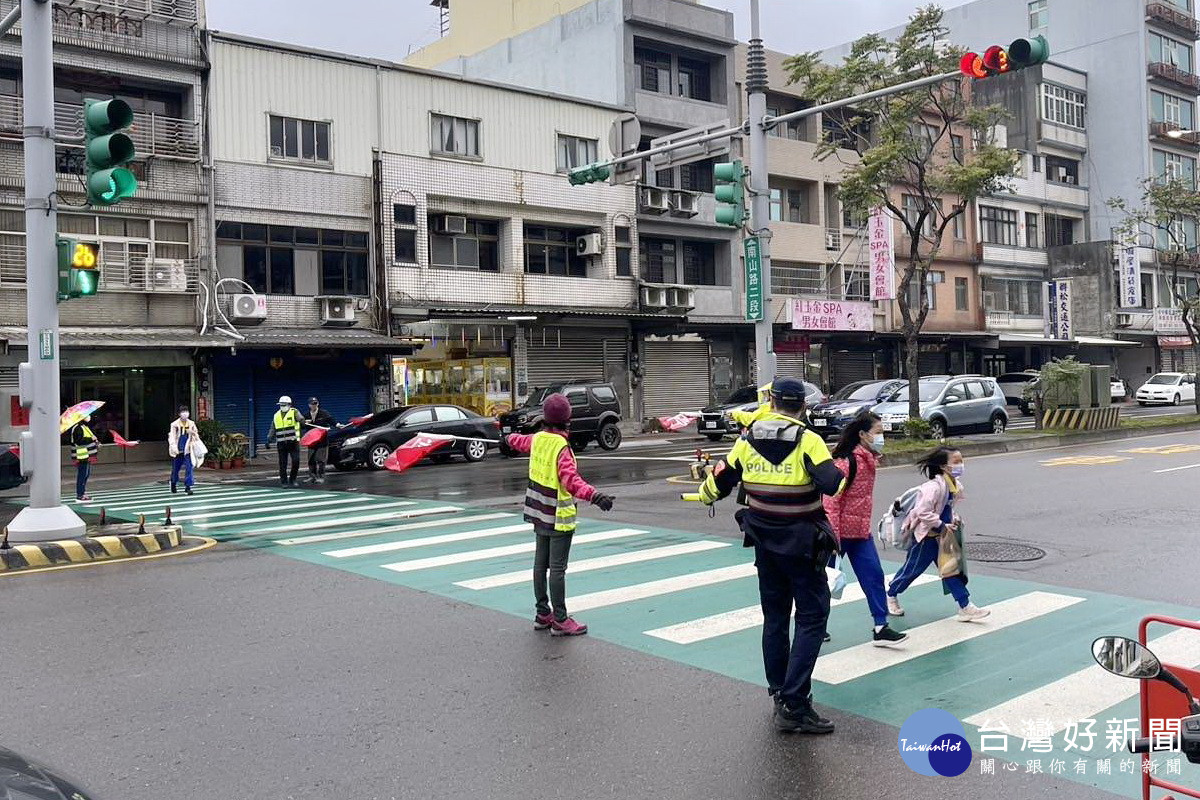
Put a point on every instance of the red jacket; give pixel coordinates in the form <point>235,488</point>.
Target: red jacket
<point>850,510</point>
<point>568,473</point>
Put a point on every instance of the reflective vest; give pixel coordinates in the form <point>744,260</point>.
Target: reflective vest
<point>546,502</point>
<point>287,426</point>
<point>785,490</point>
<point>748,418</point>
<point>91,447</point>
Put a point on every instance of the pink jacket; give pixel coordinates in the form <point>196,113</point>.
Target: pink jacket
<point>926,514</point>
<point>568,472</point>
<point>849,511</point>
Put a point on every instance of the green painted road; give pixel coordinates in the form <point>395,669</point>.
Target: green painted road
<point>1026,670</point>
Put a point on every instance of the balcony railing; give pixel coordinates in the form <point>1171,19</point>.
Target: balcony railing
<point>1183,258</point>
<point>119,272</point>
<point>799,281</point>
<point>168,11</point>
<point>1175,75</point>
<point>1162,130</point>
<point>1171,17</point>
<point>152,134</point>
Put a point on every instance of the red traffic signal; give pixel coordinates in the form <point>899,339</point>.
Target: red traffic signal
<point>997,60</point>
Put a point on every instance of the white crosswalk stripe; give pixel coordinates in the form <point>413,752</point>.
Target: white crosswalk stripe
<point>642,591</point>
<point>600,562</point>
<point>242,509</point>
<point>127,504</point>
<point>443,538</point>
<point>433,523</point>
<point>149,494</point>
<point>710,627</point>
<point>855,662</point>
<point>507,550</point>
<point>301,519</point>
<point>338,522</point>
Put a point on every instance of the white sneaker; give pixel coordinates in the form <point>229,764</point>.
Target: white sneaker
<point>894,607</point>
<point>972,612</point>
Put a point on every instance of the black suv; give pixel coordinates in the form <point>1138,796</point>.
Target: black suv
<point>595,413</point>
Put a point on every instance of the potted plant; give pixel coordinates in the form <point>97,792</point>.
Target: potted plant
<point>226,451</point>
<point>211,433</point>
<point>239,442</point>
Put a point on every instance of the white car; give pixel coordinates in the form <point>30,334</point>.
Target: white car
<point>1167,387</point>
<point>1118,390</point>
<point>1013,384</point>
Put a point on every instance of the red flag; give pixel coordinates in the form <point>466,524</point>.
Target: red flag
<point>360,420</point>
<point>679,421</point>
<point>313,437</point>
<point>121,441</point>
<point>414,450</point>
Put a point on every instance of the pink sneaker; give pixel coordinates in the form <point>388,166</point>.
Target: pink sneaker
<point>568,627</point>
<point>542,621</point>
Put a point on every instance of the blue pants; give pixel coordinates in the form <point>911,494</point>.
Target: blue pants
<point>922,554</point>
<point>782,582</point>
<point>83,470</point>
<point>182,460</point>
<point>864,560</point>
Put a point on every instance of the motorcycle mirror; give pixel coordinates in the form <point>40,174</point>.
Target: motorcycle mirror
<point>1126,657</point>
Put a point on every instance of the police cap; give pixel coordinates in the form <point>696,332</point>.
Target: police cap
<point>789,390</point>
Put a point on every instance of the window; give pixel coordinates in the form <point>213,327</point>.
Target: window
<point>450,414</point>
<point>857,284</point>
<point>1059,231</point>
<point>912,211</point>
<point>345,265</point>
<point>1062,170</point>
<point>697,176</point>
<point>924,137</point>
<point>960,226</point>
<point>624,252</point>
<point>551,251</point>
<point>404,228</point>
<point>671,261</point>
<point>1039,17</point>
<point>1015,296</point>
<point>786,130</point>
<point>1174,166</point>
<point>657,257</point>
<point>421,416</point>
<point>575,152</point>
<point>604,394</point>
<point>850,219</point>
<point>1180,234</point>
<point>958,147</point>
<point>1164,50</point>
<point>699,263</point>
<point>914,297</point>
<point>1063,106</point>
<point>1175,110</point>
<point>961,294</point>
<point>654,68</point>
<point>577,397</point>
<point>1031,230</point>
<point>454,136</point>
<point>999,225</point>
<point>795,206</point>
<point>694,79</point>
<point>776,205</point>
<point>478,248</point>
<point>301,140</point>
<point>1036,162</point>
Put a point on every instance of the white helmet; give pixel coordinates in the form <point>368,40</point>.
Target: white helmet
<point>285,401</point>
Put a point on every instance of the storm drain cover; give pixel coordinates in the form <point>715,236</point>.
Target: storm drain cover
<point>1002,551</point>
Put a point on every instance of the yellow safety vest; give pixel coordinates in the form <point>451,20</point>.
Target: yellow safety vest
<point>748,418</point>
<point>287,426</point>
<point>84,452</point>
<point>546,502</point>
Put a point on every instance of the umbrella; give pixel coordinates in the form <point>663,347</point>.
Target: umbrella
<point>77,414</point>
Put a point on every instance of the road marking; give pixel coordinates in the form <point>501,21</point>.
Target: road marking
<point>444,538</point>
<point>642,591</point>
<point>434,523</point>
<point>152,493</point>
<point>601,562</point>
<point>501,552</point>
<point>194,503</point>
<point>1083,461</point>
<point>240,508</point>
<point>298,518</point>
<point>1085,694</point>
<point>1166,449</point>
<point>860,660</point>
<point>390,515</point>
<point>1175,469</point>
<point>699,630</point>
<point>177,499</point>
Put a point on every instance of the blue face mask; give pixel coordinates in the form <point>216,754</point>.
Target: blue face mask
<point>878,442</point>
<point>957,471</point>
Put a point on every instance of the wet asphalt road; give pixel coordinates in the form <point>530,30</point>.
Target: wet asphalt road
<point>238,673</point>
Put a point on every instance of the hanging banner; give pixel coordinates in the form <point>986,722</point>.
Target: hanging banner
<point>883,255</point>
<point>1131,278</point>
<point>832,315</point>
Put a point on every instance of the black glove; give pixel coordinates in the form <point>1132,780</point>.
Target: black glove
<point>604,501</point>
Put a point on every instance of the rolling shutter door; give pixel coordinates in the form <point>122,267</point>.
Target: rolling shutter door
<point>931,364</point>
<point>846,368</point>
<point>792,365</point>
<point>232,390</point>
<point>563,356</point>
<point>676,377</point>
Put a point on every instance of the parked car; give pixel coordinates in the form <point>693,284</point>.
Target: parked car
<point>1117,389</point>
<point>832,416</point>
<point>595,413</point>
<point>950,405</point>
<point>1013,384</point>
<point>1167,387</point>
<point>370,441</point>
<point>716,423</point>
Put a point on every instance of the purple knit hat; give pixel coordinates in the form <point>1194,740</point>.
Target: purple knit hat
<point>556,411</point>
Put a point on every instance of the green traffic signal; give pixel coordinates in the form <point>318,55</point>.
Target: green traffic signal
<point>1028,52</point>
<point>729,193</point>
<point>589,174</point>
<point>108,150</point>
<point>78,268</point>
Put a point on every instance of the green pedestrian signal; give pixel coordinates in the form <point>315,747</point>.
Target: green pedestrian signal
<point>78,268</point>
<point>730,193</point>
<point>108,149</point>
<point>589,174</point>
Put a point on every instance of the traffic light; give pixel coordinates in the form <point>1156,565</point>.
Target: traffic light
<point>589,174</point>
<point>78,268</point>
<point>729,193</point>
<point>107,150</point>
<point>997,60</point>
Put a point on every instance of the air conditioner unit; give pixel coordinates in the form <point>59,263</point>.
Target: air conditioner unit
<point>451,223</point>
<point>166,275</point>
<point>337,311</point>
<point>591,244</point>
<point>654,297</point>
<point>685,204</point>
<point>1124,319</point>
<point>248,309</point>
<point>654,200</point>
<point>681,297</point>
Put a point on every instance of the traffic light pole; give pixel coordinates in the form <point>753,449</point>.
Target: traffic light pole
<point>760,194</point>
<point>45,517</point>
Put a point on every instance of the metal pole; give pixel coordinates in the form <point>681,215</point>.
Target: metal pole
<point>45,517</point>
<point>760,193</point>
<point>10,19</point>
<point>886,91</point>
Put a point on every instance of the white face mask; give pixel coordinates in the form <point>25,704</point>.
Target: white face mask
<point>284,407</point>
<point>183,415</point>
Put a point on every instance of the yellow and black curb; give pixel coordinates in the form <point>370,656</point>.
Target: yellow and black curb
<point>1083,419</point>
<point>34,556</point>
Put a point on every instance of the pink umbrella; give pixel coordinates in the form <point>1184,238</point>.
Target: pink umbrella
<point>77,414</point>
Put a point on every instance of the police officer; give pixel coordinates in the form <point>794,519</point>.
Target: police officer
<point>318,454</point>
<point>784,468</point>
<point>285,432</point>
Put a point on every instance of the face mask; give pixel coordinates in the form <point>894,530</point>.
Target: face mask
<point>877,443</point>
<point>957,471</point>
<point>184,415</point>
<point>285,407</point>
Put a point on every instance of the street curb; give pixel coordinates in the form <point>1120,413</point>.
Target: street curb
<point>85,549</point>
<point>1046,442</point>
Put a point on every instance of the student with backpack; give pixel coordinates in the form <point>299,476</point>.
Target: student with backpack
<point>936,532</point>
<point>857,455</point>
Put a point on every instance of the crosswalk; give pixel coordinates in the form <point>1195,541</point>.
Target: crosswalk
<point>693,599</point>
